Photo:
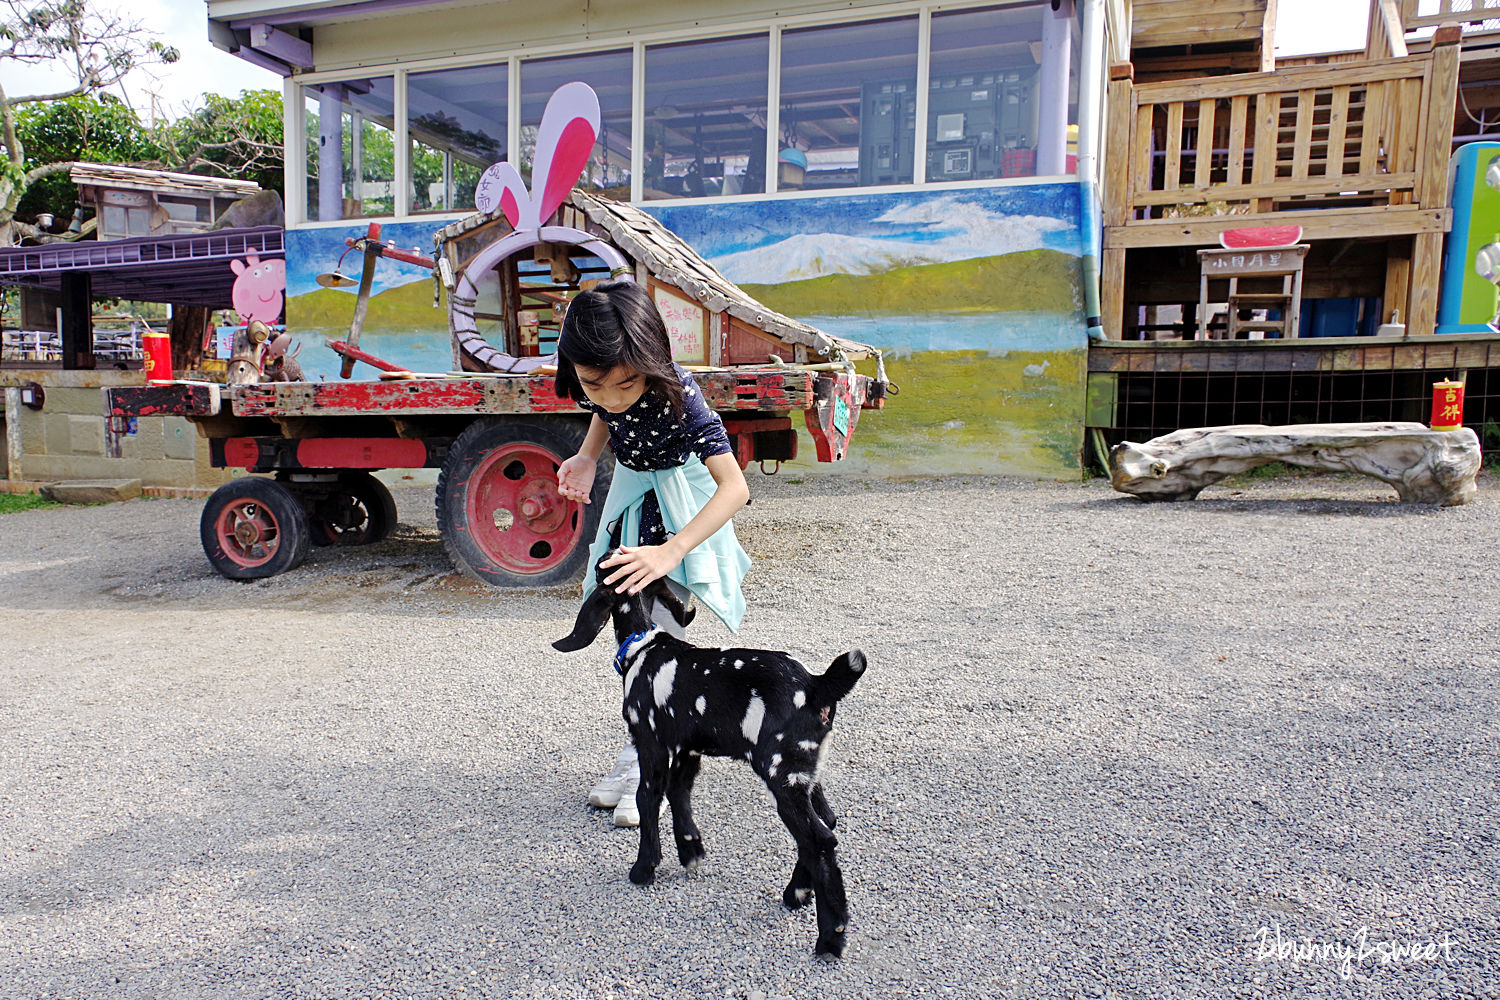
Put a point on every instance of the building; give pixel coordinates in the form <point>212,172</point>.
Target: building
<point>906,174</point>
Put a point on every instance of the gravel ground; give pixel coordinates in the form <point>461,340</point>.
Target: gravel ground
<point>1104,749</point>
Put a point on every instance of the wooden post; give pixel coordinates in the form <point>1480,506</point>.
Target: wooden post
<point>77,320</point>
<point>1432,178</point>
<point>186,328</point>
<point>1117,155</point>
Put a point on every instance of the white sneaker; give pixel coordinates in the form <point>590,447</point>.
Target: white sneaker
<point>628,814</point>
<point>611,788</point>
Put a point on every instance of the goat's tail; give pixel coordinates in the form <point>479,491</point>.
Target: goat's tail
<point>840,677</point>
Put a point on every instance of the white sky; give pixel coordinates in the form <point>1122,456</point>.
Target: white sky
<point>1302,26</point>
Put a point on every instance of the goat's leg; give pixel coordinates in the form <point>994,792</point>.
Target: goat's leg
<point>818,865</point>
<point>680,778</point>
<point>648,803</point>
<point>821,807</point>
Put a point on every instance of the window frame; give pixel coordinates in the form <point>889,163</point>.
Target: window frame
<point>294,104</point>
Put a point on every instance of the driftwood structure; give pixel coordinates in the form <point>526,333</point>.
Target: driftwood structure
<point>523,297</point>
<point>1424,465</point>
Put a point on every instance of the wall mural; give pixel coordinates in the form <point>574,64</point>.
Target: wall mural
<point>974,295</point>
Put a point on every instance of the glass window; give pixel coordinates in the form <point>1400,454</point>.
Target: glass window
<point>848,105</point>
<point>609,73</point>
<point>356,117</point>
<point>456,119</point>
<point>984,106</point>
<point>706,117</point>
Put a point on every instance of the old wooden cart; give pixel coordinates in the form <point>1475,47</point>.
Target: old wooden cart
<point>497,440</point>
<point>497,437</point>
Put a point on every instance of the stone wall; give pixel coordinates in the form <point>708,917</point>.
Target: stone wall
<point>64,440</point>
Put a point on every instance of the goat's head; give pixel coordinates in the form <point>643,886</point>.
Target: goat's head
<point>631,613</point>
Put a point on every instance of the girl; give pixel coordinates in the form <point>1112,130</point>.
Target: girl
<point>676,482</point>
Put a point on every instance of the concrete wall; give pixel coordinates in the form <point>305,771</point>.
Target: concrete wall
<point>65,439</point>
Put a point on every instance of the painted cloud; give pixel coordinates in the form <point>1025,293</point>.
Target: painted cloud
<point>928,231</point>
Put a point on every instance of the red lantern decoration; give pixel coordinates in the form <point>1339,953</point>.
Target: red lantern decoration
<point>158,348</point>
<point>1447,405</point>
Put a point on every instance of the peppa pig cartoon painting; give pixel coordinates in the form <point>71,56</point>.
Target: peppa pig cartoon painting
<point>259,286</point>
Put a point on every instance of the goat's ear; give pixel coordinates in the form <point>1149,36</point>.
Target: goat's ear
<point>614,534</point>
<point>591,618</point>
<point>668,599</point>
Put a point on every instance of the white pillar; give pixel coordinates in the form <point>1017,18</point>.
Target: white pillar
<point>331,153</point>
<point>1052,89</point>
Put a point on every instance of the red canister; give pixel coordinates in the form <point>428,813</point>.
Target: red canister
<point>158,348</point>
<point>1447,405</point>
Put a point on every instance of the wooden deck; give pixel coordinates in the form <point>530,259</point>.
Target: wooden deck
<point>1348,151</point>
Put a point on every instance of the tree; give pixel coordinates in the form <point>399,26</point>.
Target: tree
<point>99,49</point>
<point>238,137</point>
<point>93,128</point>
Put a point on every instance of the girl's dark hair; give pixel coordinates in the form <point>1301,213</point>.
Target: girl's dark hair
<point>616,323</point>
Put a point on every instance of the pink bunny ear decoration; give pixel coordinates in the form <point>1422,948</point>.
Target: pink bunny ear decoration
<point>563,146</point>
<point>500,187</point>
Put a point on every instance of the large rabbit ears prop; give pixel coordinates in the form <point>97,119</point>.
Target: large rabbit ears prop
<point>563,144</point>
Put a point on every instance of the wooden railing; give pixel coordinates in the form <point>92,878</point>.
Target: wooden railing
<point>1348,150</point>
<point>1441,12</point>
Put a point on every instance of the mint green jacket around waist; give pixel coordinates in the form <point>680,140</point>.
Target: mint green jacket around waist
<point>713,570</point>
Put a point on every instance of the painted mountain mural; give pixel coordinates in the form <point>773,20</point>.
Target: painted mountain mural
<point>975,296</point>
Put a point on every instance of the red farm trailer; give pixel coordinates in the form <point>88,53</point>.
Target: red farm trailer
<point>494,427</point>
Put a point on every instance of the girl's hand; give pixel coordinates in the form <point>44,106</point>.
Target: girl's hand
<point>575,478</point>
<point>639,565</point>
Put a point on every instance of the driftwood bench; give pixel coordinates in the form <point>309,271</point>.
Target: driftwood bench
<point>1424,465</point>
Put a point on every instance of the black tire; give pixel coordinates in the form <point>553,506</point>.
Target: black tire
<point>501,519</point>
<point>358,511</point>
<point>253,528</point>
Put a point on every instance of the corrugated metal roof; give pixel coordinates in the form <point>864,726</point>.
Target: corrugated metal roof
<point>191,268</point>
<point>165,181</point>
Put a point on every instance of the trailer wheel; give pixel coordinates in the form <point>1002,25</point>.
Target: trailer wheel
<point>358,511</point>
<point>501,517</point>
<point>253,528</point>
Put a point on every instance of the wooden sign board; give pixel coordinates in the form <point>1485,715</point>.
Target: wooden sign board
<point>687,324</point>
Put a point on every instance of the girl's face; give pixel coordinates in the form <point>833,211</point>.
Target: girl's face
<point>615,389</point>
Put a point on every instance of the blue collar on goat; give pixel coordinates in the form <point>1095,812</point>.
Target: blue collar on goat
<point>634,637</point>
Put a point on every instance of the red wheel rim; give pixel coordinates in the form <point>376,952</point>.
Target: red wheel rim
<point>515,514</point>
<point>248,533</point>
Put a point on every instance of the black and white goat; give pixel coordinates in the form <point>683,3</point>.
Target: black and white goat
<point>682,702</point>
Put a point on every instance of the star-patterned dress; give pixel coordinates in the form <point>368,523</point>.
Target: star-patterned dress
<point>648,437</point>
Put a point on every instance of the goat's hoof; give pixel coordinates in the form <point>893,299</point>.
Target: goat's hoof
<point>691,854</point>
<point>795,899</point>
<point>642,873</point>
<point>829,946</point>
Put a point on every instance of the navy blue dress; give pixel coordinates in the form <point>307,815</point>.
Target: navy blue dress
<point>648,437</point>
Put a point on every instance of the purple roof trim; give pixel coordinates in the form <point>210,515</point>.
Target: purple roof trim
<point>191,268</point>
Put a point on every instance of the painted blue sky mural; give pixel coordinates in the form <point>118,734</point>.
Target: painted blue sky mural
<point>769,242</point>
<point>310,252</point>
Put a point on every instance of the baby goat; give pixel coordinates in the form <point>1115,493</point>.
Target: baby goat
<point>682,702</point>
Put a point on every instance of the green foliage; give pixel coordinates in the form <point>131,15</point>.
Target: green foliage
<point>11,503</point>
<point>237,137</point>
<point>97,128</point>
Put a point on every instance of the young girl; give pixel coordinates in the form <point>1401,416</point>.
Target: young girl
<point>676,482</point>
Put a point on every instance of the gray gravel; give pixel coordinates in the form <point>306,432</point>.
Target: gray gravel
<point>1104,749</point>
